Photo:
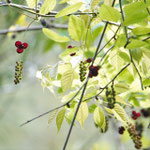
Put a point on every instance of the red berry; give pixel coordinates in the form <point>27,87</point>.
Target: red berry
<point>72,54</point>
<point>69,46</point>
<point>19,50</point>
<point>18,43</point>
<point>134,112</point>
<point>25,45</point>
<point>134,117</point>
<point>96,67</point>
<point>89,60</point>
<point>138,114</point>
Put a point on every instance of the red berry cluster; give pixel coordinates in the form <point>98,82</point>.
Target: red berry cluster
<point>121,130</point>
<point>20,46</point>
<point>135,115</point>
<point>93,71</point>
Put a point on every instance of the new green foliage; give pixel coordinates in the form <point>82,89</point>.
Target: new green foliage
<point>76,28</point>
<point>69,10</point>
<point>47,6</point>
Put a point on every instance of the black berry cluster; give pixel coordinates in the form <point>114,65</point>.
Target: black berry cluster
<point>82,71</point>
<point>121,130</point>
<point>20,46</point>
<point>135,115</point>
<point>93,71</point>
<point>145,112</point>
<point>110,96</point>
<point>134,136</point>
<point>18,72</point>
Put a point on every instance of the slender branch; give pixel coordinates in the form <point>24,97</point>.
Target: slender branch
<point>84,89</point>
<point>127,38</point>
<point>33,28</point>
<point>36,11</point>
<point>43,114</point>
<point>75,114</point>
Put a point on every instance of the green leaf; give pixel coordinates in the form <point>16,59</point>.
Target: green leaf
<point>141,30</point>
<point>99,118</point>
<point>146,82</point>
<point>76,28</point>
<point>94,4</point>
<point>92,108</point>
<point>69,10</point>
<point>120,100</point>
<point>66,79</point>
<point>82,113</point>
<point>60,118</point>
<point>120,113</point>
<point>137,54</point>
<point>121,40</point>
<point>135,13</point>
<point>32,3</point>
<point>47,6</point>
<point>121,87</point>
<point>109,13</point>
<point>124,56</point>
<point>125,75</point>
<point>52,116</point>
<point>54,36</point>
<point>136,44</point>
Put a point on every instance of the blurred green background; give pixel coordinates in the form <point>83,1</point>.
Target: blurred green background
<point>21,102</point>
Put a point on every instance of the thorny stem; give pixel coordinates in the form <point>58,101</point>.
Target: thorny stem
<point>125,28</point>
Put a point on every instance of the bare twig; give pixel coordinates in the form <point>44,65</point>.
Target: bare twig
<point>33,28</point>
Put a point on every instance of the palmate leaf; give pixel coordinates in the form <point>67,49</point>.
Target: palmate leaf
<point>82,113</point>
<point>99,118</point>
<point>60,118</point>
<point>54,36</point>
<point>66,79</point>
<point>32,3</point>
<point>69,10</point>
<point>47,6</point>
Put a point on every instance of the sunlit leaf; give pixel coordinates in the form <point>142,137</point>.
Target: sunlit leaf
<point>141,30</point>
<point>69,10</point>
<point>120,113</point>
<point>52,116</point>
<point>94,3</point>
<point>54,36</point>
<point>76,28</point>
<point>47,6</point>
<point>66,79</point>
<point>82,113</point>
<point>109,13</point>
<point>99,118</point>
<point>60,118</point>
<point>32,3</point>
